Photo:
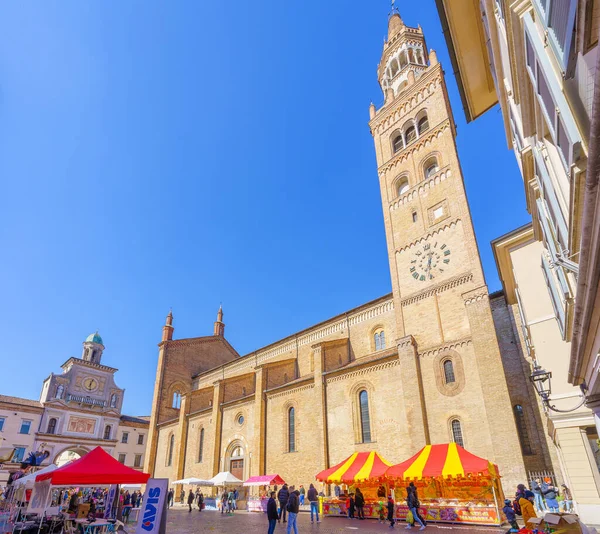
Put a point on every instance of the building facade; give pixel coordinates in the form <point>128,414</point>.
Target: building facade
<point>421,365</point>
<point>573,431</point>
<point>78,410</point>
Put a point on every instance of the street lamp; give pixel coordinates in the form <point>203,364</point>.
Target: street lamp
<point>542,383</point>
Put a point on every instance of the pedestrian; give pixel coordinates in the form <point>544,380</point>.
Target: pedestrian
<point>302,493</point>
<point>313,499</point>
<point>359,501</point>
<point>272,514</point>
<point>293,507</point>
<point>230,502</point>
<point>412,501</point>
<point>390,511</point>
<point>283,497</point>
<point>182,496</point>
<point>567,498</point>
<point>337,491</point>
<point>351,506</point>
<point>511,517</point>
<point>190,499</point>
<point>235,498</point>
<point>527,510</point>
<point>200,499</point>
<point>382,512</point>
<point>537,492</point>
<point>551,495</point>
<point>224,501</point>
<point>169,498</point>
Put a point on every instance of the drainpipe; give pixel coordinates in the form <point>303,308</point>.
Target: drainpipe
<point>589,266</point>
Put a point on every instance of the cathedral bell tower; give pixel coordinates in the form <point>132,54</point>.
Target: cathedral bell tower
<point>453,376</point>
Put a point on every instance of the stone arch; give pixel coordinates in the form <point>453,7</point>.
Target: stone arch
<point>173,388</point>
<point>454,388</point>
<point>289,405</point>
<point>451,429</point>
<point>427,161</point>
<point>377,331</point>
<point>355,390</point>
<point>77,449</point>
<point>399,183</point>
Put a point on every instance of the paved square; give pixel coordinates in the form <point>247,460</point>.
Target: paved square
<point>180,521</point>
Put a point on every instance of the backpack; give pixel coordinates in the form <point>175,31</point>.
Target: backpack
<point>517,507</point>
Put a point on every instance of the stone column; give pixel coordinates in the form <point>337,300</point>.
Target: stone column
<point>258,449</point>
<point>217,416</point>
<point>414,399</point>
<point>321,401</point>
<point>181,436</point>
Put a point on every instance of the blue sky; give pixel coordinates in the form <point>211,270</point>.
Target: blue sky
<point>182,154</point>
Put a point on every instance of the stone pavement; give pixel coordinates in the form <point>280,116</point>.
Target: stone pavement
<point>180,521</point>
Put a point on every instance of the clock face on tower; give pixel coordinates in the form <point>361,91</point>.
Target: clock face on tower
<point>90,384</point>
<point>429,261</point>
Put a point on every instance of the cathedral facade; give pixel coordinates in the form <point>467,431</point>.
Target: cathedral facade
<point>437,360</point>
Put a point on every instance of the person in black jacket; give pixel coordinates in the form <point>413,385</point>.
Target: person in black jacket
<point>390,511</point>
<point>359,502</point>
<point>283,497</point>
<point>313,499</point>
<point>412,501</point>
<point>293,509</point>
<point>191,499</point>
<point>272,514</point>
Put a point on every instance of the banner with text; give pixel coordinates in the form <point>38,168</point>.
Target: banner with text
<point>110,509</point>
<point>153,516</point>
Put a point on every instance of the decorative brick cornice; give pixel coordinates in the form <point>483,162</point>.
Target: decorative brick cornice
<point>476,295</point>
<point>406,341</point>
<point>448,224</point>
<point>451,345</point>
<point>439,288</point>
<point>289,391</point>
<point>422,142</point>
<point>199,412</point>
<point>168,422</point>
<point>364,370</point>
<point>421,188</point>
<point>240,400</point>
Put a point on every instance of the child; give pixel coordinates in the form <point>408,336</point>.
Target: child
<point>381,513</point>
<point>390,511</point>
<point>510,516</point>
<point>351,506</point>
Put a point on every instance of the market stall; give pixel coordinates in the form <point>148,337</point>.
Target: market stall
<point>362,470</point>
<point>454,486</point>
<point>227,480</point>
<point>259,494</point>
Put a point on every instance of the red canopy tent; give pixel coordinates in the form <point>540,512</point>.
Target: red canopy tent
<point>97,468</point>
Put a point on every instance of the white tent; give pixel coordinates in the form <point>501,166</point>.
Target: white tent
<point>225,478</point>
<point>29,480</point>
<point>193,481</point>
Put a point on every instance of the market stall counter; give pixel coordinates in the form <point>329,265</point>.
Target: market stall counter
<point>362,470</point>
<point>259,493</point>
<point>454,486</point>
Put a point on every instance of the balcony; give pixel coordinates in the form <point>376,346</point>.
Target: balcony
<point>86,400</point>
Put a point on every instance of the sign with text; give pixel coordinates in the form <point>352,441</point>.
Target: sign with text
<point>153,516</point>
<point>110,509</point>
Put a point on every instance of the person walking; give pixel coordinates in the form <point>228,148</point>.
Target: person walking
<point>511,517</point>
<point>412,501</point>
<point>551,494</point>
<point>283,497</point>
<point>182,496</point>
<point>350,506</point>
<point>313,499</point>
<point>191,498</point>
<point>527,509</point>
<point>169,498</point>
<point>567,498</point>
<point>536,488</point>
<point>200,499</point>
<point>224,501</point>
<point>293,506</point>
<point>359,502</point>
<point>390,511</point>
<point>272,514</point>
<point>302,493</point>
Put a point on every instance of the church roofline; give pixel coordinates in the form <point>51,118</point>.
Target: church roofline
<point>291,337</point>
<point>200,339</point>
<point>85,363</point>
<point>19,401</point>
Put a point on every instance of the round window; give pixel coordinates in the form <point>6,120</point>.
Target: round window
<point>240,420</point>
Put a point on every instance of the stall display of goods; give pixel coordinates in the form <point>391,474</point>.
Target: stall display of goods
<point>453,485</point>
<point>360,470</point>
<point>257,501</point>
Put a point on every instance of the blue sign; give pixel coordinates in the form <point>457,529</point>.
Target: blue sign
<point>153,516</point>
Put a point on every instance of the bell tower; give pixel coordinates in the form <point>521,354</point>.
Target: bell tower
<point>441,299</point>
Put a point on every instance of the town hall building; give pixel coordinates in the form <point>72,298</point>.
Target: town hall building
<point>428,363</point>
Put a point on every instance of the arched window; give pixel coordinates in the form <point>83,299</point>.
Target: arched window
<point>410,134</point>
<point>292,430</point>
<point>403,186</point>
<point>449,372</point>
<point>52,426</point>
<point>176,400</point>
<point>394,68</point>
<point>365,419</point>
<point>457,435</point>
<point>411,55</point>
<point>60,391</point>
<point>107,430</point>
<point>403,60</point>
<point>113,400</point>
<point>423,124</point>
<point>397,143</point>
<point>379,340</point>
<point>522,429</point>
<point>170,451</point>
<point>201,446</point>
<point>431,167</point>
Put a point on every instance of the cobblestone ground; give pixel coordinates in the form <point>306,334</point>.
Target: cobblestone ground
<point>180,521</point>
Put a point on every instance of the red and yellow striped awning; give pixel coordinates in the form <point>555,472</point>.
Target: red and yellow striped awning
<point>359,467</point>
<point>446,460</point>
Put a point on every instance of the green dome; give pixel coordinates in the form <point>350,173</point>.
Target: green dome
<point>94,338</point>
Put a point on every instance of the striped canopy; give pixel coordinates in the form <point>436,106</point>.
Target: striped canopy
<point>359,467</point>
<point>446,460</point>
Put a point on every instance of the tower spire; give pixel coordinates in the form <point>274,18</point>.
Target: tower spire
<point>219,329</point>
<point>167,334</point>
